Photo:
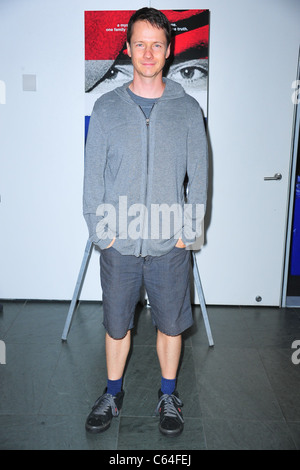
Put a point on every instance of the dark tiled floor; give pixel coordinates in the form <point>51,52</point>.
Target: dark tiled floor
<point>241,394</point>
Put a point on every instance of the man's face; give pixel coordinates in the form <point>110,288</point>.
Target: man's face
<point>148,49</point>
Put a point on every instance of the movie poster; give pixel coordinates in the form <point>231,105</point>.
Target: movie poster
<point>107,64</point>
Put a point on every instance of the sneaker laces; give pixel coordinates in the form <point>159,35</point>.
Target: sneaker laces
<point>103,404</point>
<point>170,410</point>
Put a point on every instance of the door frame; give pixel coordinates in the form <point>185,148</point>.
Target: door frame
<point>295,301</point>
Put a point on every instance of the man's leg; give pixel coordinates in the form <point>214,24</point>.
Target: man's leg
<point>121,278</point>
<point>169,405</point>
<point>167,284</point>
<point>168,351</point>
<point>116,355</point>
<point>110,403</point>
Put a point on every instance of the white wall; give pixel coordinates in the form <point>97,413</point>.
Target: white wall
<point>42,231</point>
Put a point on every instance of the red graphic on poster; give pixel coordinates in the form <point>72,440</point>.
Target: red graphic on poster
<point>105,33</point>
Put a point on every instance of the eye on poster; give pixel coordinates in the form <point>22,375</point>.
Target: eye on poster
<point>108,66</point>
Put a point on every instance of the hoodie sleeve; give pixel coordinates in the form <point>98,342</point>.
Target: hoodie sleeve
<point>197,172</point>
<point>93,185</point>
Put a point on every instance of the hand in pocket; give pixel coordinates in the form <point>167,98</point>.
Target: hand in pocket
<point>180,244</point>
<point>111,243</point>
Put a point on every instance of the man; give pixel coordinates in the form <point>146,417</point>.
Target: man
<point>144,138</point>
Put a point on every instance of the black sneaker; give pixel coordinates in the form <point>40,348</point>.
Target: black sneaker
<point>169,410</point>
<point>105,408</point>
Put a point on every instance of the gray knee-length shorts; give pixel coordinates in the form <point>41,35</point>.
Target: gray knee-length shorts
<point>167,282</point>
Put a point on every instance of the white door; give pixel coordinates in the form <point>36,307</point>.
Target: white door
<point>242,262</point>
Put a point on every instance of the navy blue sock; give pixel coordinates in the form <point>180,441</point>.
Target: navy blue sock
<point>167,386</point>
<point>114,386</point>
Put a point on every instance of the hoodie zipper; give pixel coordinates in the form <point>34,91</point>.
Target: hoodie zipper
<point>147,168</point>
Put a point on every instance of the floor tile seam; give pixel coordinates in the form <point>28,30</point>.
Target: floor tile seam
<point>130,415</point>
<point>292,434</point>
<point>265,325</point>
<point>202,418</point>
<point>204,432</point>
<point>13,322</point>
<point>253,421</point>
<point>266,375</point>
<point>243,324</point>
<point>198,384</point>
<point>243,421</point>
<point>35,342</point>
<point>270,383</point>
<point>196,375</point>
<point>276,348</point>
<point>47,386</point>
<point>13,415</point>
<point>246,420</point>
<point>118,430</point>
<point>38,415</point>
<point>283,342</point>
<point>220,348</point>
<point>242,416</point>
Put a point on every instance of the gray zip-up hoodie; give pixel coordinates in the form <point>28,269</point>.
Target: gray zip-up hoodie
<point>136,171</point>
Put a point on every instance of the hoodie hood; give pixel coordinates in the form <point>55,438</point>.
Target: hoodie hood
<point>173,90</point>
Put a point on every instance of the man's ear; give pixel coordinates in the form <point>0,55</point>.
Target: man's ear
<point>168,51</point>
<point>128,49</point>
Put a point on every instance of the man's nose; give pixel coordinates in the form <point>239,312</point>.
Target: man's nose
<point>148,51</point>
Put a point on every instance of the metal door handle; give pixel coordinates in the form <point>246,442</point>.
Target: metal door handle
<point>277,176</point>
